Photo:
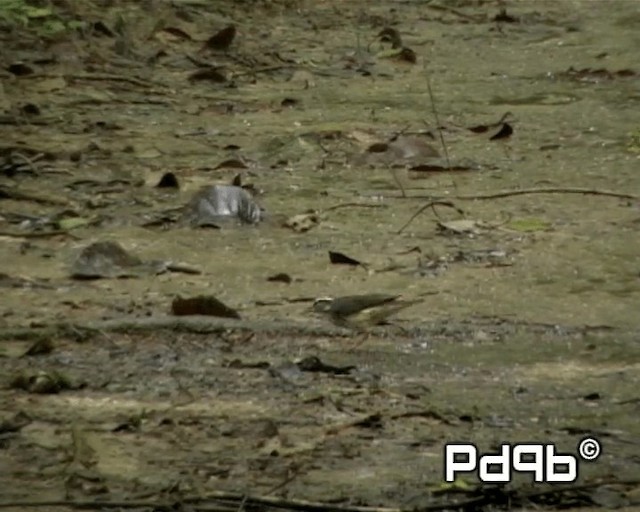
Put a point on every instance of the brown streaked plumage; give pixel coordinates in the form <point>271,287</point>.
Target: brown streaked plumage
<point>361,310</point>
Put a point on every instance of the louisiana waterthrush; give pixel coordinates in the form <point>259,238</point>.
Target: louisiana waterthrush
<point>361,310</point>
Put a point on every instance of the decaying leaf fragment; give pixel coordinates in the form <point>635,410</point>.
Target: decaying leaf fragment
<point>338,258</point>
<point>110,260</point>
<point>106,260</point>
<point>460,227</point>
<point>222,39</point>
<point>202,305</point>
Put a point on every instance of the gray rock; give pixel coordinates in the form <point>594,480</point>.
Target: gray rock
<point>213,204</point>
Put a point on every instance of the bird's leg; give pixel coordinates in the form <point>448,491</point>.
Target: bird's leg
<point>359,339</point>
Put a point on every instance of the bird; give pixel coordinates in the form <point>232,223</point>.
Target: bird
<point>391,35</point>
<point>361,311</point>
<point>402,52</point>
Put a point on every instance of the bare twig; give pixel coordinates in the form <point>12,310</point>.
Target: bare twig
<point>185,269</point>
<point>228,502</point>
<point>430,204</point>
<point>293,474</point>
<point>196,324</point>
<point>525,191</point>
<point>97,505</point>
<point>14,193</point>
<point>266,69</point>
<point>509,193</point>
<point>550,190</point>
<point>37,234</point>
<point>444,8</point>
<point>29,161</point>
<point>141,82</point>
<point>354,205</point>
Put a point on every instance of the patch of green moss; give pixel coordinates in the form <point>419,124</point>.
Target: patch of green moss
<point>46,21</point>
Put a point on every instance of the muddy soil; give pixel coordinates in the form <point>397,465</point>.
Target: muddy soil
<point>528,329</point>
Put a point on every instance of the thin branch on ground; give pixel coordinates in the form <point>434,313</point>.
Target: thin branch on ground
<point>549,190</point>
<point>526,191</point>
<point>229,501</point>
<point>38,234</point>
<point>26,195</point>
<point>354,205</point>
<point>141,82</point>
<point>30,162</point>
<point>433,200</point>
<point>265,69</point>
<point>432,205</point>
<point>195,325</point>
<point>456,12</point>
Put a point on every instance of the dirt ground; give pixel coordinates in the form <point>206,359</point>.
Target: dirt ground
<point>529,325</point>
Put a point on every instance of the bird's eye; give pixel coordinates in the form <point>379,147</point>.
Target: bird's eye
<point>322,304</point>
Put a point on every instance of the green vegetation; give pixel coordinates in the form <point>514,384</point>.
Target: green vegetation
<point>46,21</point>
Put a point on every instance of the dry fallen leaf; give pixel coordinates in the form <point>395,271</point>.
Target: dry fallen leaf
<point>460,226</point>
<point>222,39</point>
<point>338,258</point>
<point>202,305</point>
